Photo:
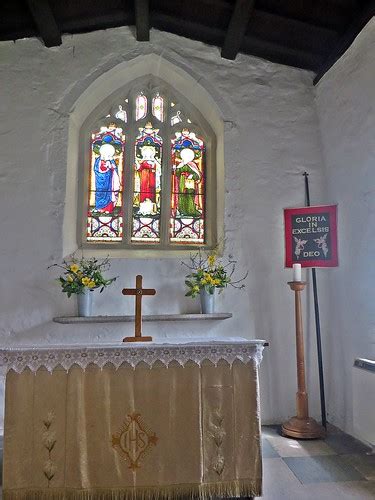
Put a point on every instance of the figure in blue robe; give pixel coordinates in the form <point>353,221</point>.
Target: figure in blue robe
<point>107,182</point>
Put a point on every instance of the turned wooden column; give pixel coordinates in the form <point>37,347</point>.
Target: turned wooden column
<point>301,426</point>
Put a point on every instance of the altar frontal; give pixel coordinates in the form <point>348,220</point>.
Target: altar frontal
<point>97,423</point>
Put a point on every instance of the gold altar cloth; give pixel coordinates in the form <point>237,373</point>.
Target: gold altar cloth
<point>143,433</point>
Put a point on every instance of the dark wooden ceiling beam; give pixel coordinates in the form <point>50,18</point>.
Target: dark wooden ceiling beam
<point>237,28</point>
<point>322,13</point>
<point>346,40</point>
<point>251,45</point>
<point>45,22</point>
<point>277,53</point>
<point>188,29</point>
<point>142,20</point>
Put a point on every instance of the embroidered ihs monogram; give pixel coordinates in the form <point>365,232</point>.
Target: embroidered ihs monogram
<point>134,440</point>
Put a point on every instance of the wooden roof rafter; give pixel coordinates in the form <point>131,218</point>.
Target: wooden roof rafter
<point>142,20</point>
<point>237,28</point>
<point>45,22</point>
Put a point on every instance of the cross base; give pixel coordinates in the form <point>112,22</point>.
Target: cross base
<point>137,339</point>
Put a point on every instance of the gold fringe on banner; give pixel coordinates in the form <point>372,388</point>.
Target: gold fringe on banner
<point>207,491</point>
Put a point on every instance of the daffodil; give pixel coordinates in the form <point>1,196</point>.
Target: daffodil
<point>70,278</point>
<point>211,260</point>
<point>86,281</point>
<point>91,284</point>
<point>74,268</point>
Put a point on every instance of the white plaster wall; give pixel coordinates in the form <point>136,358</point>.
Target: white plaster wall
<point>346,105</point>
<point>271,137</point>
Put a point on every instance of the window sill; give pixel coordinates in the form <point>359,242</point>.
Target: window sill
<point>146,253</point>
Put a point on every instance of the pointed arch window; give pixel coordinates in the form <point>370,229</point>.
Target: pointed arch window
<point>149,177</point>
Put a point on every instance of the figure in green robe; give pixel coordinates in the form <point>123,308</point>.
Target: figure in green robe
<point>187,176</point>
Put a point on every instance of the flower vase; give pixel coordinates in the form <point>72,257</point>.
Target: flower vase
<point>207,301</point>
<point>84,301</point>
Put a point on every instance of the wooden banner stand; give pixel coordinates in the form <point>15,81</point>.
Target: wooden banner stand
<point>301,426</point>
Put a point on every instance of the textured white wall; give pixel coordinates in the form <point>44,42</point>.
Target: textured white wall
<point>346,104</point>
<point>271,137</point>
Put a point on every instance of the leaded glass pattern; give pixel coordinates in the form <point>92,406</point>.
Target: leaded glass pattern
<point>188,189</point>
<point>158,107</point>
<point>146,174</point>
<point>140,107</point>
<point>105,207</point>
<point>121,114</point>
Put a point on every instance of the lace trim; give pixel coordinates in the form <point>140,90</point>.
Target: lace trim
<point>52,357</point>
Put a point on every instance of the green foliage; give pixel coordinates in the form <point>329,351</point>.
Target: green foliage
<point>207,272</point>
<point>83,274</point>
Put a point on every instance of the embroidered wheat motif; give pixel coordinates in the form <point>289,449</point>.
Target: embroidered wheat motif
<point>218,434</point>
<point>49,441</point>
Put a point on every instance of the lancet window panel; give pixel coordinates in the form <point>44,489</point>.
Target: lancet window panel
<point>188,188</point>
<point>147,185</point>
<point>146,176</point>
<point>106,182</point>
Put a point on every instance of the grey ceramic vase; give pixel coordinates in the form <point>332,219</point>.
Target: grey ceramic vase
<point>207,301</point>
<point>84,301</point>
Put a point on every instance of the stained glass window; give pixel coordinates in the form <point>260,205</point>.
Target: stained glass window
<point>147,173</point>
<point>105,207</point>
<point>188,189</point>
<point>140,107</point>
<point>158,107</point>
<point>147,185</point>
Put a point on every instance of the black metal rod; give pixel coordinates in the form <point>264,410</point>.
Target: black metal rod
<point>317,324</point>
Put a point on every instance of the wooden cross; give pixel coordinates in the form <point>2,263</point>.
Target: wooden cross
<point>138,291</point>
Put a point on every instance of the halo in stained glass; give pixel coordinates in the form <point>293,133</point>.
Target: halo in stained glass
<point>188,189</point>
<point>147,185</point>
<point>106,174</point>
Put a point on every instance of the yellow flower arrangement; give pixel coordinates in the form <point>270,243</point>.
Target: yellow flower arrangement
<point>207,272</point>
<point>83,274</point>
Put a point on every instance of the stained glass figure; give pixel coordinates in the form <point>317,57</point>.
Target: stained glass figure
<point>158,107</point>
<point>147,185</point>
<point>121,114</point>
<point>140,107</point>
<point>105,217</point>
<point>188,189</point>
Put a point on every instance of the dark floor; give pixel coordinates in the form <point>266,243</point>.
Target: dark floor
<point>337,468</point>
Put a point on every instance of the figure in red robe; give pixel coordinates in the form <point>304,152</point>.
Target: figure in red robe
<point>148,173</point>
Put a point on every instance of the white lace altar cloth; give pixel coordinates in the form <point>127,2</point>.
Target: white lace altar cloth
<point>51,357</point>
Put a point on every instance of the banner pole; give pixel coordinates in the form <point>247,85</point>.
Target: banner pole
<point>317,324</point>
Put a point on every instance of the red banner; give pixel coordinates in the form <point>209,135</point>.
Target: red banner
<point>311,236</point>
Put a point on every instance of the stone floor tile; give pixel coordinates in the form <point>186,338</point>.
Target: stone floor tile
<point>347,490</point>
<point>356,490</point>
<point>287,447</point>
<point>343,444</point>
<point>267,449</point>
<point>365,464</point>
<point>279,483</point>
<point>318,469</point>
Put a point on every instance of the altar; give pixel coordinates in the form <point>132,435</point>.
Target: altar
<point>128,421</point>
